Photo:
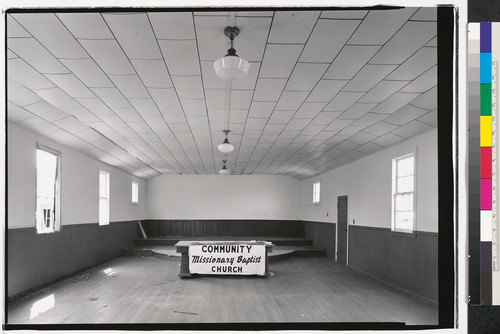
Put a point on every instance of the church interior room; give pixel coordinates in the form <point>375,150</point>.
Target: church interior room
<point>134,135</point>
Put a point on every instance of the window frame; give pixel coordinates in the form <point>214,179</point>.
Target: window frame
<point>316,192</point>
<point>135,192</point>
<point>395,193</point>
<point>40,217</point>
<point>105,221</point>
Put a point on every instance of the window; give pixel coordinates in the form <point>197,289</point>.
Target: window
<point>48,189</point>
<point>135,192</point>
<point>316,192</point>
<point>103,198</point>
<point>403,193</point>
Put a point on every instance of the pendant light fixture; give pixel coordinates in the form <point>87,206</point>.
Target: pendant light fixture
<point>231,66</point>
<point>224,170</point>
<point>225,147</point>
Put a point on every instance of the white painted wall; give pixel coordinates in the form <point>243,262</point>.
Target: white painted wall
<point>223,197</point>
<point>79,184</point>
<point>367,182</point>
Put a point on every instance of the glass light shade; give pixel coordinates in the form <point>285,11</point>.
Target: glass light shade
<point>231,67</point>
<point>225,147</point>
<point>224,171</point>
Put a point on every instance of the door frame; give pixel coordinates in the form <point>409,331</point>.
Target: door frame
<point>347,232</point>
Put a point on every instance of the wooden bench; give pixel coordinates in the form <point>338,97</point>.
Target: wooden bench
<point>222,251</point>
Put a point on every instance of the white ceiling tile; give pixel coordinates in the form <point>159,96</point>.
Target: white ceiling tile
<point>394,102</point>
<point>153,73</point>
<point>109,56</point>
<point>292,26</point>
<point>11,55</point>
<point>23,74</point>
<point>405,114</point>
<point>351,59</point>
<point>355,155</point>
<point>411,129</point>
<point>62,136</point>
<point>86,25</point>
<point>369,148</point>
<point>326,90</point>
<point>83,115</point>
<point>309,110</point>
<point>140,127</point>
<point>291,100</point>
<point>347,146</point>
<point>362,138</point>
<point>58,98</point>
<point>281,116</point>
<point>14,29</point>
<point>424,82</point>
<point>407,41</point>
<point>113,121</point>
<point>212,43</point>
<point>326,117</point>
<point>351,130</point>
<point>387,140</point>
<point>327,39</point>
<point>145,106</point>
<point>261,109</point>
<point>297,124</point>
<point>135,35</point>
<point>425,14</point>
<point>130,86</point>
<point>16,113</point>
<point>181,56</point>
<point>368,77</point>
<point>194,107</point>
<point>95,106</point>
<point>216,99</point>
<point>238,115</point>
<point>279,60</point>
<point>324,135</point>
<point>305,76</point>
<point>432,43</point>
<point>188,87</point>
<point>112,97</point>
<point>269,89</point>
<point>417,64</point>
<point>20,95</point>
<point>255,123</point>
<point>289,134</point>
<point>379,26</point>
<point>427,100</point>
<point>71,124</point>
<point>312,129</point>
<point>38,125</point>
<point>241,99</point>
<point>343,101</point>
<point>251,40</point>
<point>165,98</point>
<point>129,114</point>
<point>197,122</point>
<point>36,55</point>
<point>380,128</point>
<point>338,124</point>
<point>274,129</point>
<point>210,79</point>
<point>429,118</point>
<point>51,32</point>
<point>383,90</point>
<point>369,119</point>
<point>71,85</point>
<point>172,25</point>
<point>88,72</point>
<point>343,14</point>
<point>357,110</point>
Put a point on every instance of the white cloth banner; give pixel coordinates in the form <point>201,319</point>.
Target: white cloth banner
<point>227,259</point>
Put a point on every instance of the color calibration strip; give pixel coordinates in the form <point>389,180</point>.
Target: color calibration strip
<point>489,57</point>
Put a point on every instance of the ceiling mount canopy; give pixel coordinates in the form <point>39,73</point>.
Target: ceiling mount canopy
<point>224,170</point>
<point>225,147</point>
<point>231,66</point>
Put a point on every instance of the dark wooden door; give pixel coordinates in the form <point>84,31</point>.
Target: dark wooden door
<point>342,229</point>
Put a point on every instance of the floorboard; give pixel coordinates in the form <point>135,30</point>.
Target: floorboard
<point>148,290</point>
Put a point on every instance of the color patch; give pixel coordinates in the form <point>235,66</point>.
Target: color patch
<point>485,99</point>
<point>486,225</point>
<point>485,258</point>
<point>485,194</point>
<point>485,37</point>
<point>485,125</point>
<point>485,67</point>
<point>486,162</point>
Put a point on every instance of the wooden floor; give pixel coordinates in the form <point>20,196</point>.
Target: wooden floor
<point>148,290</point>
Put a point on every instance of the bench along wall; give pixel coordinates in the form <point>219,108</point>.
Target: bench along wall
<point>34,260</point>
<point>408,260</point>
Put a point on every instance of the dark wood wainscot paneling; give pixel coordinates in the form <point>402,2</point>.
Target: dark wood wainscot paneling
<point>323,236</point>
<point>36,260</point>
<point>162,228</point>
<point>406,260</point>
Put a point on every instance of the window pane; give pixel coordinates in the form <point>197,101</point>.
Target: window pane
<point>135,192</point>
<point>46,191</point>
